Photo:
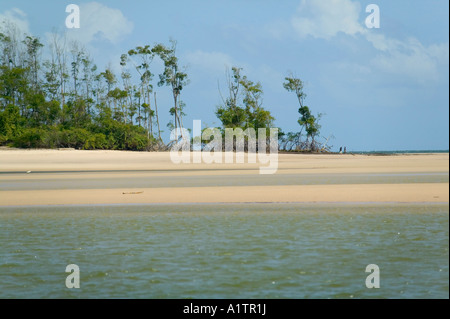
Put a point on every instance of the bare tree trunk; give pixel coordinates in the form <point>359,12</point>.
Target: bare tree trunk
<point>61,60</point>
<point>148,124</point>
<point>139,110</point>
<point>150,111</point>
<point>176,113</point>
<point>181,117</point>
<point>157,118</point>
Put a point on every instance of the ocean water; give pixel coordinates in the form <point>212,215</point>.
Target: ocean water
<point>226,251</point>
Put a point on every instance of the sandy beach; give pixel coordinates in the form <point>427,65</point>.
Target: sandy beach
<point>62,177</point>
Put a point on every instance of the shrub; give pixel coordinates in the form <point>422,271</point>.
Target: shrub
<point>74,138</point>
<point>96,141</point>
<point>31,138</point>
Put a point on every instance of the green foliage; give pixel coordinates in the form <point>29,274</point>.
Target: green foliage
<point>65,102</point>
<point>74,138</point>
<point>307,121</point>
<point>118,135</point>
<point>243,107</point>
<point>231,118</point>
<point>11,124</point>
<point>74,114</point>
<point>13,84</point>
<point>172,76</point>
<point>32,137</point>
<point>295,85</point>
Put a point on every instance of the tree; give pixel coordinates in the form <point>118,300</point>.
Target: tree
<point>256,116</point>
<point>110,80</point>
<point>63,101</point>
<point>11,123</point>
<point>146,56</point>
<point>77,60</point>
<point>243,106</point>
<point>13,86</point>
<point>172,77</point>
<point>89,75</point>
<point>10,43</point>
<point>119,96</point>
<point>59,56</point>
<point>307,121</point>
<point>311,125</point>
<point>230,113</point>
<point>32,60</point>
<point>51,84</point>
<point>294,84</point>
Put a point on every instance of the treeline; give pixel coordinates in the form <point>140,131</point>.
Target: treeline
<point>65,101</point>
<point>242,108</point>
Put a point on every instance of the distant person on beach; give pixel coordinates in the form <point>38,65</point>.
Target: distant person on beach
<point>345,150</point>
<point>340,150</point>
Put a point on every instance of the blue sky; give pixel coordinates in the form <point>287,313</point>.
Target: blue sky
<point>379,89</point>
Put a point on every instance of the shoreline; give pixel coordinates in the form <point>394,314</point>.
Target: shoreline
<point>247,204</point>
<point>71,177</point>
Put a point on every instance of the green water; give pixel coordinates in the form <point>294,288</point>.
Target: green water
<point>225,251</point>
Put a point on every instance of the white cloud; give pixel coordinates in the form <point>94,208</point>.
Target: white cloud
<point>214,62</point>
<point>277,29</point>
<point>325,19</point>
<point>17,17</point>
<point>440,53</point>
<point>99,22</point>
<point>409,58</point>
